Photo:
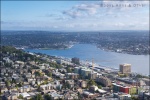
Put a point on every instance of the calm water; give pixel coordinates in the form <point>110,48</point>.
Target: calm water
<point>140,63</point>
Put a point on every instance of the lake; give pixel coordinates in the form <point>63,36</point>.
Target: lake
<point>139,63</point>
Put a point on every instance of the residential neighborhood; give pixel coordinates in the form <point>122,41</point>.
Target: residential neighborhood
<point>33,76</point>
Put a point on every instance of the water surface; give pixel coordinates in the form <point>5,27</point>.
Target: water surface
<point>139,63</point>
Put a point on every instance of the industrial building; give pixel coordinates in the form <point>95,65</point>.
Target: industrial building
<point>129,81</point>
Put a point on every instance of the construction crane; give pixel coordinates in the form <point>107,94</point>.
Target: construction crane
<point>92,64</point>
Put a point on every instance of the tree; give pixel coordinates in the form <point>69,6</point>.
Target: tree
<point>38,88</point>
<point>99,86</point>
<point>35,60</point>
<point>38,74</point>
<point>79,96</point>
<point>7,83</point>
<point>20,84</point>
<point>37,97</point>
<point>47,97</point>
<point>69,70</point>
<point>134,98</point>
<point>20,97</point>
<point>91,82</point>
<point>49,74</point>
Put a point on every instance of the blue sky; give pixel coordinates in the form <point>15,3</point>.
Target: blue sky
<point>74,15</point>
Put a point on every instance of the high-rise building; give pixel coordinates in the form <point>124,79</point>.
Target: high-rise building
<point>125,68</point>
<point>75,60</point>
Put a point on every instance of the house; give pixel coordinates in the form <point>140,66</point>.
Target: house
<point>9,78</point>
<point>102,91</point>
<point>16,66</point>
<point>10,95</point>
<point>60,61</point>
<point>19,62</point>
<point>20,71</point>
<point>25,88</point>
<point>39,81</point>
<point>32,94</point>
<point>62,70</point>
<point>3,70</point>
<point>90,95</point>
<point>82,83</point>
<point>35,70</point>
<point>70,83</point>
<point>87,94</point>
<point>80,90</point>
<point>72,75</point>
<point>147,96</point>
<point>147,81</point>
<point>28,75</point>
<point>122,96</point>
<point>3,89</point>
<point>7,60</point>
<point>104,80</point>
<point>46,87</point>
<point>71,95</point>
<point>56,96</point>
<point>30,80</point>
<point>41,66</point>
<point>57,85</point>
<point>93,88</point>
<point>18,80</point>
<point>25,95</point>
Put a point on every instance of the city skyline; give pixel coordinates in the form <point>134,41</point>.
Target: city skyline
<point>74,15</point>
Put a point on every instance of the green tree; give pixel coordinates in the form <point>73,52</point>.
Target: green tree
<point>49,74</point>
<point>91,82</point>
<point>37,97</point>
<point>7,83</point>
<point>47,97</point>
<point>134,98</point>
<point>20,84</point>
<point>99,86</point>
<point>69,70</point>
<point>20,97</point>
<point>38,88</point>
<point>38,74</point>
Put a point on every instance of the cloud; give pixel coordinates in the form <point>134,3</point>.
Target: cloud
<point>87,8</point>
<point>91,9</point>
<point>6,22</point>
<point>91,16</point>
<point>73,14</point>
<point>119,24</point>
<point>82,10</point>
<point>50,15</point>
<point>62,18</point>
<point>132,25</point>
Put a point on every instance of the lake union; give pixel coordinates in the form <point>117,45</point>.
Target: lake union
<point>139,63</point>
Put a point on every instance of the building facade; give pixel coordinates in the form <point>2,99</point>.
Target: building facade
<point>125,68</point>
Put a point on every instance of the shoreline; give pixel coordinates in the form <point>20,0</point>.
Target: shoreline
<point>84,63</point>
<point>105,65</point>
<point>70,46</point>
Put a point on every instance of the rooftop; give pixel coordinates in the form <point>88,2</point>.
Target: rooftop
<point>25,94</point>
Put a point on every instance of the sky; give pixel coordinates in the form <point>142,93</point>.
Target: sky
<point>75,15</point>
